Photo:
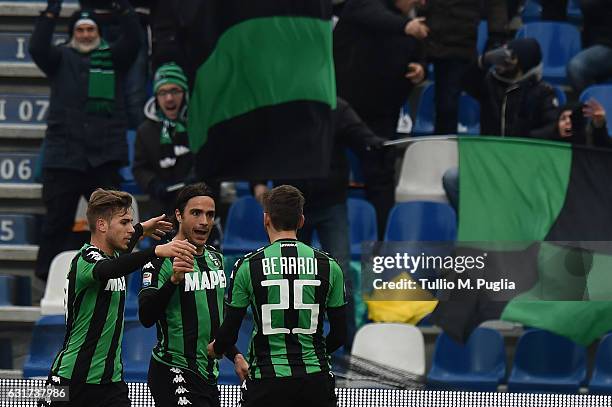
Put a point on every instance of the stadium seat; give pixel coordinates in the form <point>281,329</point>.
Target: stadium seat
<point>356,180</point>
<point>532,11</point>
<point>469,114</point>
<point>6,290</point>
<point>362,225</point>
<point>403,349</point>
<point>17,229</point>
<point>138,342</point>
<point>244,231</point>
<point>483,35</point>
<point>545,362</point>
<point>423,165</point>
<point>574,13</point>
<point>226,367</point>
<point>479,365</point>
<point>129,183</point>
<point>52,302</point>
<point>243,188</point>
<point>603,94</point>
<point>559,43</point>
<point>131,301</point>
<point>601,380</point>
<point>47,340</point>
<point>421,221</point>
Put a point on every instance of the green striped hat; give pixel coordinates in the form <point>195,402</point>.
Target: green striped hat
<point>170,73</point>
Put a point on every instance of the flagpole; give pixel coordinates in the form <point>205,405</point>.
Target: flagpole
<point>409,140</point>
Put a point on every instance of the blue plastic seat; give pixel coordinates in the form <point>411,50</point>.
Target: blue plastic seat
<point>362,225</point>
<point>6,285</point>
<point>559,43</point>
<point>603,94</point>
<point>469,113</point>
<point>560,94</point>
<point>244,231</point>
<point>47,340</point>
<point>138,342</point>
<point>134,282</point>
<point>479,365</point>
<point>483,35</point>
<point>421,221</point>
<point>532,11</point>
<point>545,362</point>
<point>601,380</point>
<point>574,13</point>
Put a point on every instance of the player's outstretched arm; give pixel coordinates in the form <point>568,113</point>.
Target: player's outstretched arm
<point>126,264</point>
<point>227,335</point>
<point>153,302</point>
<point>155,228</point>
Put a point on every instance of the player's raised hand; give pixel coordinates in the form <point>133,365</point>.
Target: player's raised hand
<point>156,227</point>
<point>177,248</point>
<point>241,367</point>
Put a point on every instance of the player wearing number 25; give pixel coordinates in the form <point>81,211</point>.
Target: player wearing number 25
<point>85,142</point>
<point>290,287</point>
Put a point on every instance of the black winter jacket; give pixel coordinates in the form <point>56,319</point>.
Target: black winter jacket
<point>74,139</point>
<point>597,22</point>
<point>372,53</point>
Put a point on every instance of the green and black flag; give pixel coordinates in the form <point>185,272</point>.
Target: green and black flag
<point>264,88</point>
<point>544,213</point>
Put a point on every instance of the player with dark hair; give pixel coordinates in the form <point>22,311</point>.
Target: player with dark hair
<point>290,287</point>
<point>89,363</point>
<point>185,301</point>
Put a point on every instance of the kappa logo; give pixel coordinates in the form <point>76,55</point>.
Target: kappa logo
<point>94,255</point>
<point>180,150</point>
<point>55,379</point>
<point>167,162</point>
<point>176,370</point>
<point>181,390</point>
<point>183,401</point>
<point>149,265</point>
<point>178,379</point>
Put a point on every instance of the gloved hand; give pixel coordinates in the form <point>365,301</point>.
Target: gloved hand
<point>499,56</point>
<point>54,7</point>
<point>375,143</point>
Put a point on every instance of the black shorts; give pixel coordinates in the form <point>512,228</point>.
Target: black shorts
<point>313,390</point>
<point>174,386</point>
<point>88,395</point>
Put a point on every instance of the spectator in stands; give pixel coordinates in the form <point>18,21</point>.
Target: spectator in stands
<point>379,58</point>
<point>514,101</point>
<point>136,78</point>
<point>451,46</point>
<point>594,63</point>
<point>583,124</point>
<point>325,208</point>
<point>85,143</point>
<point>162,159</point>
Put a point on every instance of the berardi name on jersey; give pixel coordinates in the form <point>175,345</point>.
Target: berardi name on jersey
<point>289,265</point>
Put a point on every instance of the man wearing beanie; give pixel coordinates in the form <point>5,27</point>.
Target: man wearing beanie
<point>514,101</point>
<point>162,159</point>
<point>85,143</point>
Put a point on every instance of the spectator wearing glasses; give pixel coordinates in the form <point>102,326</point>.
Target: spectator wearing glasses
<point>162,159</point>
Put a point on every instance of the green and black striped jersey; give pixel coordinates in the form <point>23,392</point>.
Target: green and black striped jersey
<point>193,315</point>
<point>94,323</point>
<point>289,286</point>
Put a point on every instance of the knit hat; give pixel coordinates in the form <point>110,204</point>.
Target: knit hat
<point>527,51</point>
<point>80,15</point>
<point>170,73</point>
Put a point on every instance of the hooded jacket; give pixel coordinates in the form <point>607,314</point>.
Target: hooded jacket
<point>524,106</point>
<point>75,139</point>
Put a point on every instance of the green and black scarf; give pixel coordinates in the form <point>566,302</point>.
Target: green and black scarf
<point>101,87</point>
